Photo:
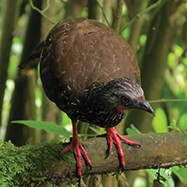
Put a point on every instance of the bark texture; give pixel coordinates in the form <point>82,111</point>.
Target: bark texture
<point>157,151</point>
<point>23,98</point>
<point>11,8</point>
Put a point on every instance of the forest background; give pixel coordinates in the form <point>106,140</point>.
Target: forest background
<point>157,33</point>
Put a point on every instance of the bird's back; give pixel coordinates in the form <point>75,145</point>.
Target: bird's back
<point>81,52</point>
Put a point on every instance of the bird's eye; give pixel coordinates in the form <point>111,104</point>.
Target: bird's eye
<point>124,99</point>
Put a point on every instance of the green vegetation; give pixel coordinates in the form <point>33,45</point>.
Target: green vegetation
<point>156,30</point>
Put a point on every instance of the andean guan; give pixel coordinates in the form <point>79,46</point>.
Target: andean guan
<point>91,73</point>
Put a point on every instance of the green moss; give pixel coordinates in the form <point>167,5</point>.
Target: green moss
<point>68,157</point>
<point>19,164</point>
<point>11,164</point>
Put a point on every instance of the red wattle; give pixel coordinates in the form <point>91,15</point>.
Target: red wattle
<point>120,109</point>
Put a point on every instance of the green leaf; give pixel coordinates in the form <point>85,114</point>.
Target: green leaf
<point>47,126</point>
<point>143,39</point>
<point>132,130</point>
<point>185,61</point>
<point>140,182</point>
<point>94,129</point>
<point>181,173</point>
<point>126,33</point>
<point>173,126</point>
<point>160,121</point>
<point>171,60</point>
<point>65,120</point>
<point>183,121</point>
<point>164,176</point>
<point>178,50</point>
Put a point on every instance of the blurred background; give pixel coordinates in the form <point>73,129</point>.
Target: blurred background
<point>157,33</point>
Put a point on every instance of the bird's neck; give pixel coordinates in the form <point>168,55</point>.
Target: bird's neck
<point>99,110</point>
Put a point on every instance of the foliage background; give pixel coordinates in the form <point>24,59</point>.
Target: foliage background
<point>157,32</point>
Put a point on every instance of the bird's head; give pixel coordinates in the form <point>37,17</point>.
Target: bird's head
<point>124,94</point>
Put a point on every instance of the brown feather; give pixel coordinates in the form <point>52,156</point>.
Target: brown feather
<point>81,52</point>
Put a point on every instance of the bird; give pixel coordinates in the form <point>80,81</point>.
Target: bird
<point>90,73</point>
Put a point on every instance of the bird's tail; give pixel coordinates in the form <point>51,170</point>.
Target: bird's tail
<point>32,61</point>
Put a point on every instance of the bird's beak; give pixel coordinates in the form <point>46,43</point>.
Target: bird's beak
<point>144,105</point>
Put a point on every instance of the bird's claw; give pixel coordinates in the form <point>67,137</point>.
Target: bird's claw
<point>107,153</point>
<point>90,166</point>
<point>114,137</point>
<point>79,151</point>
<point>138,145</point>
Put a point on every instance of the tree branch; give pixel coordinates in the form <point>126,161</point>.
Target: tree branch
<point>117,16</point>
<point>167,100</point>
<point>140,14</point>
<point>104,15</point>
<point>42,11</point>
<point>161,150</point>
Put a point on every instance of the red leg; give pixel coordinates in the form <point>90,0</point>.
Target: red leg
<point>114,137</point>
<point>78,149</point>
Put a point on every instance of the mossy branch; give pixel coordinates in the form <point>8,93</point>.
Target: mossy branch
<point>35,164</point>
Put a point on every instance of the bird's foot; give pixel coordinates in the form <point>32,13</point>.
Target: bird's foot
<point>114,137</point>
<point>79,151</point>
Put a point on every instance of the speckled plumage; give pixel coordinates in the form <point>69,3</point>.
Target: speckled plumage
<point>79,54</point>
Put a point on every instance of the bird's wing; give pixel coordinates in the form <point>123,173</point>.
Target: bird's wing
<point>84,52</point>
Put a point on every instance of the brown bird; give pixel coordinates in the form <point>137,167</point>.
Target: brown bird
<point>91,73</point>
